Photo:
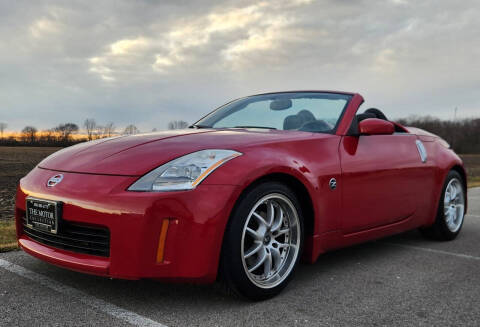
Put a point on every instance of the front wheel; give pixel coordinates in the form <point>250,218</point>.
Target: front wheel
<point>263,241</point>
<point>451,210</point>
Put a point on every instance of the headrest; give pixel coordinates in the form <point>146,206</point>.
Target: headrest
<point>306,115</point>
<point>377,112</point>
<point>292,122</point>
<point>364,116</point>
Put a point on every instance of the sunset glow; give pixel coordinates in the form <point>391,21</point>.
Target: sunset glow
<point>18,135</point>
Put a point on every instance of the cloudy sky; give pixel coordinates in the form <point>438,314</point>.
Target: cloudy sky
<point>149,62</point>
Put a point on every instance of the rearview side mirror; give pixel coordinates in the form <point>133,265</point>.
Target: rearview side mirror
<point>374,126</point>
<point>280,104</point>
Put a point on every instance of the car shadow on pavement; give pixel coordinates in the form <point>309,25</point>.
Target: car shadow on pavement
<point>147,293</point>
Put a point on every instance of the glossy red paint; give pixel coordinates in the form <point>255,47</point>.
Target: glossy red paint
<point>134,220</point>
<point>377,193</point>
<point>374,126</point>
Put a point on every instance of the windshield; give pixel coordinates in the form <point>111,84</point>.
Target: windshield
<point>305,111</point>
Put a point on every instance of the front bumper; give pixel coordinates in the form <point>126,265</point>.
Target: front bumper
<point>197,220</point>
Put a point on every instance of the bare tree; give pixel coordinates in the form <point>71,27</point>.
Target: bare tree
<point>29,134</point>
<point>66,130</point>
<point>462,135</point>
<point>109,129</point>
<point>154,129</point>
<point>3,126</point>
<point>47,137</point>
<point>90,125</point>
<point>131,130</point>
<point>99,130</point>
<point>177,124</point>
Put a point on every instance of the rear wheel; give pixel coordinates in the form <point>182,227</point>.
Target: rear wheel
<point>262,242</point>
<point>451,210</point>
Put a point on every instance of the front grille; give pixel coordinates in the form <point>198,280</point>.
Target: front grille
<point>74,237</point>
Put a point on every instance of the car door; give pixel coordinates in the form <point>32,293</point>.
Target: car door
<point>379,178</point>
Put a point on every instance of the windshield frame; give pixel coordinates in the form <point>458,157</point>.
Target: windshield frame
<point>290,94</point>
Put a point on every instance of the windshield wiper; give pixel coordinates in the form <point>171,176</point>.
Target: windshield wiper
<point>265,127</point>
<point>199,126</point>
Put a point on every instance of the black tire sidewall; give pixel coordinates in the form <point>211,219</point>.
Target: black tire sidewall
<point>441,223</point>
<point>232,264</point>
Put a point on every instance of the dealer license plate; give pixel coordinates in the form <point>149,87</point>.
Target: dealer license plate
<point>43,215</point>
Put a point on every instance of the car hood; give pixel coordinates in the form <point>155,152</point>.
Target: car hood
<point>135,155</point>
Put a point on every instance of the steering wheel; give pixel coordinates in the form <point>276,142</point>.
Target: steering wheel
<point>316,126</point>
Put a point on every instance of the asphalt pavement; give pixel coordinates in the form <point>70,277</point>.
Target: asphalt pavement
<point>403,280</point>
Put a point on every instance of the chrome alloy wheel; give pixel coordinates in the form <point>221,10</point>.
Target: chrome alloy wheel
<point>270,240</point>
<point>454,205</point>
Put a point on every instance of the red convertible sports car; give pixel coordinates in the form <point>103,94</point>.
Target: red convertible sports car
<point>243,194</point>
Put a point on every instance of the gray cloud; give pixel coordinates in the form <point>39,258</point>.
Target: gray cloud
<point>146,63</point>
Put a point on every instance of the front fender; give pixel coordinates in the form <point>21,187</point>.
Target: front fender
<point>445,161</point>
<point>312,162</point>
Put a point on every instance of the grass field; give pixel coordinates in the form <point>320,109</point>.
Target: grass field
<point>7,236</point>
<point>16,162</point>
<point>472,164</point>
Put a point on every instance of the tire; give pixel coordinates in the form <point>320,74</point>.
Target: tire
<point>260,254</point>
<point>450,213</point>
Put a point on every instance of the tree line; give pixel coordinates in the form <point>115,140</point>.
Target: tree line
<point>60,135</point>
<point>68,133</point>
<point>463,135</point>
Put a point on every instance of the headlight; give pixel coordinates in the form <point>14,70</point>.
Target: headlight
<point>183,173</point>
